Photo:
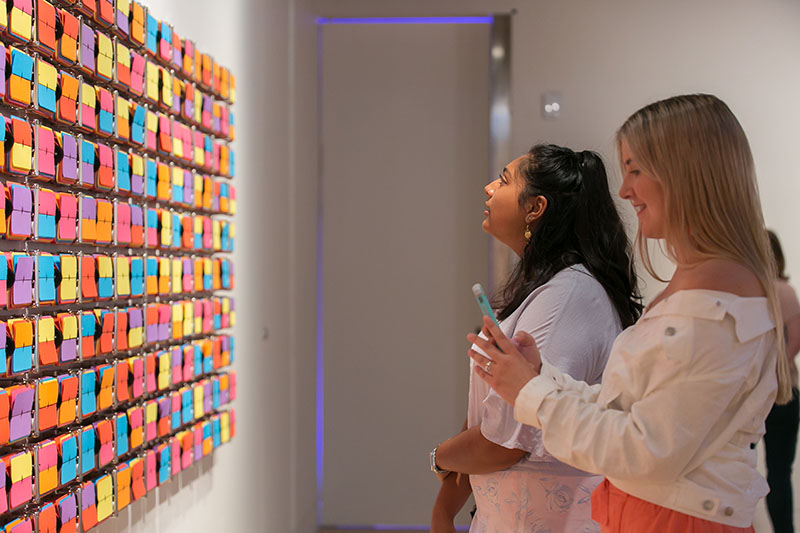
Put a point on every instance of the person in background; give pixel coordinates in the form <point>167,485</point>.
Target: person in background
<point>782,423</point>
<point>573,289</point>
<point>674,424</point>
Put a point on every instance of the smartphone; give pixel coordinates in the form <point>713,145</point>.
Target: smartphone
<point>483,303</point>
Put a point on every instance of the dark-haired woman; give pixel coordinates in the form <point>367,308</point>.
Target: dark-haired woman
<point>574,290</point>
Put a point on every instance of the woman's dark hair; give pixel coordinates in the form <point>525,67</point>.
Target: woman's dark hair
<point>580,225</point>
<point>777,252</point>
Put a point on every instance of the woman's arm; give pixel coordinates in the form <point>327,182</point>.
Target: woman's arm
<point>470,452</point>
<point>453,494</point>
<point>660,434</point>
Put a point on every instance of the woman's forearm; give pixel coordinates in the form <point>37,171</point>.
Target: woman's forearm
<point>470,452</point>
<point>453,494</point>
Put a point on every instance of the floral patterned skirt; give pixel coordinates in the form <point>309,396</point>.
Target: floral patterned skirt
<point>524,501</point>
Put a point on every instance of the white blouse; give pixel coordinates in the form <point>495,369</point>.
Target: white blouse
<point>680,409</point>
<point>574,324</point>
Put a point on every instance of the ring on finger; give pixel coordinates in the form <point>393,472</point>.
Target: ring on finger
<point>487,367</point>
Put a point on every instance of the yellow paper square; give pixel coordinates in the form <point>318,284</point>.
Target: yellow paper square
<point>123,55</point>
<point>105,267</point>
<point>105,55</point>
<point>21,156</point>
<point>151,121</point>
<point>164,265</point>
<point>47,329</point>
<point>225,427</point>
<point>88,95</point>
<point>69,327</point>
<point>166,87</point>
<point>151,412</point>
<point>151,74</point>
<point>123,276</point>
<point>21,467</point>
<point>198,401</point>
<point>177,176</point>
<point>198,105</point>
<point>177,276</point>
<point>166,228</point>
<point>21,23</point>
<point>48,75</point>
<point>177,312</point>
<point>216,234</point>
<point>137,164</point>
<point>135,337</point>
<point>105,498</point>
<point>199,159</point>
<point>123,109</point>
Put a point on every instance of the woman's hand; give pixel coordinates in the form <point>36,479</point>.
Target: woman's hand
<point>511,363</point>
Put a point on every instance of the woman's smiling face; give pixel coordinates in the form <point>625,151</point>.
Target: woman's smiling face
<point>645,193</point>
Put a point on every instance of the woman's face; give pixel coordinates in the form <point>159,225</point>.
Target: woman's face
<point>504,217</point>
<point>645,193</point>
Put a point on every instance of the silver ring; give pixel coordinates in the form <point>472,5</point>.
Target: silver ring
<point>487,367</point>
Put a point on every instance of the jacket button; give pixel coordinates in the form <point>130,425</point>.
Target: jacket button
<point>708,505</point>
<point>752,445</point>
<point>669,332</point>
<point>728,511</point>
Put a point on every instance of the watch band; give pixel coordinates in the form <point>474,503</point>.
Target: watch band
<point>434,467</point>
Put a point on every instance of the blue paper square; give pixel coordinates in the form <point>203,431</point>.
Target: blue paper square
<point>47,98</point>
<point>122,434</point>
<point>69,456</point>
<point>88,396</point>
<point>88,441</point>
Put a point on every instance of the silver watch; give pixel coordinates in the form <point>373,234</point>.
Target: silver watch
<point>435,469</point>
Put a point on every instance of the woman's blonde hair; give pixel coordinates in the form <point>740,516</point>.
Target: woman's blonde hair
<point>696,148</point>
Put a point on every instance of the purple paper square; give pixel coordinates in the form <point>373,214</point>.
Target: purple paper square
<point>2,69</point>
<point>87,47</point>
<point>20,423</point>
<point>137,216</point>
<point>69,164</point>
<point>164,408</point>
<point>207,397</point>
<point>21,210</point>
<point>152,333</point>
<point>69,350</point>
<point>23,280</point>
<point>88,496</point>
<point>135,319</point>
<point>88,208</point>
<point>137,184</point>
<point>68,508</point>
<point>163,332</point>
<point>122,22</point>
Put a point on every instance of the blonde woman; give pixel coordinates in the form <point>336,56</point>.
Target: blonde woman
<point>674,424</point>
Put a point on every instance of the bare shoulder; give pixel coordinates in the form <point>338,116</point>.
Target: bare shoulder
<point>724,276</point>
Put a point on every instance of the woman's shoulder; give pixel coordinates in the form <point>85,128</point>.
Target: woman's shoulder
<point>720,275</point>
<point>574,289</point>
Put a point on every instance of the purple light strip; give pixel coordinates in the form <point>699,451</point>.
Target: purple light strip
<point>320,419</point>
<point>407,20</point>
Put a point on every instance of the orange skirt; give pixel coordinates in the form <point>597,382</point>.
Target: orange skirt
<point>619,512</point>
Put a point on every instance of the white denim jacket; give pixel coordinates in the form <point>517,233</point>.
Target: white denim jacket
<point>681,406</point>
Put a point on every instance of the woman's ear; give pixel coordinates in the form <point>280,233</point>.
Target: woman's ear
<point>535,207</point>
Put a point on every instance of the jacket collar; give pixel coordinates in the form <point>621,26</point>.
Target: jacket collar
<point>751,315</point>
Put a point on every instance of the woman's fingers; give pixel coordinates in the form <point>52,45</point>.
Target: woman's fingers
<point>479,359</point>
<point>499,337</point>
<point>488,347</point>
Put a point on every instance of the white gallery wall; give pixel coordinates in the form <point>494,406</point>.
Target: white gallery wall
<point>606,58</point>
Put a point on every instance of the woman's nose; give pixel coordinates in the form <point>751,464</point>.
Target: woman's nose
<point>490,187</point>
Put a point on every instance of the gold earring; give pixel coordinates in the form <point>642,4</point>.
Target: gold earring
<point>527,232</point>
